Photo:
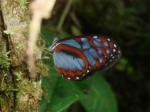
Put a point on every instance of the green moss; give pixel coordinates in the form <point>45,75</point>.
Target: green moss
<point>23,4</point>
<point>4,59</point>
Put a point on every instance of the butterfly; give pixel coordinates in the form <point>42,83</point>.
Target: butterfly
<point>77,58</point>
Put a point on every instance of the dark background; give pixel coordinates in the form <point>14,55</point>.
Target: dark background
<point>128,22</point>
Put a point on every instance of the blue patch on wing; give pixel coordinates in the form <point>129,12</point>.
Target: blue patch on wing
<point>99,40</point>
<point>59,62</point>
<point>99,51</point>
<point>81,62</point>
<point>55,56</point>
<point>68,59</point>
<point>77,64</point>
<point>96,43</point>
<point>93,53</point>
<point>106,44</point>
<point>63,60</point>
<point>84,40</point>
<point>107,51</point>
<point>85,45</point>
<point>89,57</point>
<point>71,42</point>
<point>100,60</point>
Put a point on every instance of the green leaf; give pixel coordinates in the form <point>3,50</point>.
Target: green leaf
<point>98,95</point>
<point>65,93</point>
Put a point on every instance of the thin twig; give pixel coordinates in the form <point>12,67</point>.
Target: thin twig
<point>64,14</point>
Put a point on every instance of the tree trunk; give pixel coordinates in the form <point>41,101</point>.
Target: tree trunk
<point>17,92</point>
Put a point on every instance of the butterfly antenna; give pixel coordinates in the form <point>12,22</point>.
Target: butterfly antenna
<point>54,43</point>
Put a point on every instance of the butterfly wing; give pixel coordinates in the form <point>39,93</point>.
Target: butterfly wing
<point>79,57</point>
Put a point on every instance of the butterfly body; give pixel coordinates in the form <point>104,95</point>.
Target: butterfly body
<point>79,57</point>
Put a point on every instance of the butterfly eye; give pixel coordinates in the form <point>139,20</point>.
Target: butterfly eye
<point>77,58</point>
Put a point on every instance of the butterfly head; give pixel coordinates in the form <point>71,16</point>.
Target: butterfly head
<point>54,44</point>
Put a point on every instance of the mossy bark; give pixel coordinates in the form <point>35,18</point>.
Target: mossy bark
<point>17,92</point>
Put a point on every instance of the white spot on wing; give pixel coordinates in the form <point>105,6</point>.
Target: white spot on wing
<point>115,45</point>
<point>95,37</point>
<point>88,71</point>
<point>114,50</point>
<point>77,78</point>
<point>68,78</point>
<point>108,39</point>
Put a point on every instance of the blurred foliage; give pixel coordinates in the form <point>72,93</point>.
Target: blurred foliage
<point>128,22</point>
